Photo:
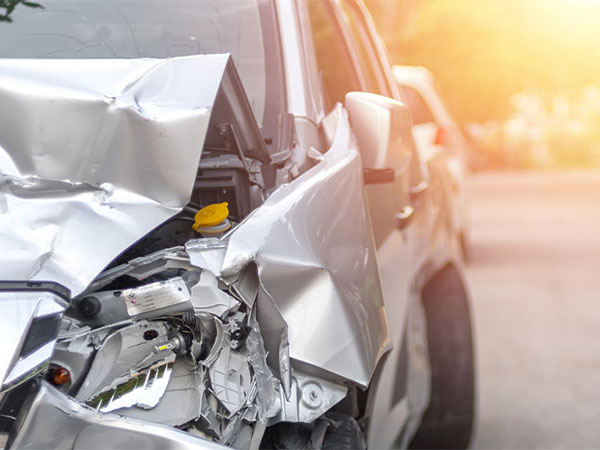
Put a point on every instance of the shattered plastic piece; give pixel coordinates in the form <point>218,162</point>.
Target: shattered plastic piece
<point>208,298</point>
<point>145,266</point>
<point>242,437</point>
<point>267,401</point>
<point>315,154</point>
<point>219,340</point>
<point>123,352</point>
<point>208,254</point>
<point>274,333</point>
<point>144,390</point>
<point>182,401</point>
<point>230,379</point>
<point>238,332</point>
<point>246,286</point>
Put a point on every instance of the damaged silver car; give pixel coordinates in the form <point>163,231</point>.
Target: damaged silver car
<point>216,230</point>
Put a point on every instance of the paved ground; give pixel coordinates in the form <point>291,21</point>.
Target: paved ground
<point>535,285</point>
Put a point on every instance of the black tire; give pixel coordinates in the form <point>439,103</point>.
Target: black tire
<point>448,420</point>
<point>343,433</point>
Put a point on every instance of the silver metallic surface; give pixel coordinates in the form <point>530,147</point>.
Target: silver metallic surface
<point>144,266</point>
<point>312,244</point>
<point>144,389</point>
<point>75,348</point>
<point>317,290</point>
<point>183,400</point>
<point>19,309</point>
<point>310,239</point>
<point>123,352</point>
<point>155,296</point>
<point>108,151</point>
<point>267,403</point>
<point>207,297</point>
<point>311,397</point>
<point>54,420</point>
<point>230,379</point>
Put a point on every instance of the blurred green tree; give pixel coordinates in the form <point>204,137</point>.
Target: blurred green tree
<point>9,6</point>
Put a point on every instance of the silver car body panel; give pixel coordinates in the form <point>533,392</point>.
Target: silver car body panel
<point>312,243</point>
<point>93,155</point>
<point>55,420</point>
<point>72,203</point>
<point>319,296</point>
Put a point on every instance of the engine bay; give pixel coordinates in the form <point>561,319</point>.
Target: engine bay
<point>161,340</point>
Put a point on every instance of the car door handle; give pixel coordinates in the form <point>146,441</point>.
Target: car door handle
<point>404,217</point>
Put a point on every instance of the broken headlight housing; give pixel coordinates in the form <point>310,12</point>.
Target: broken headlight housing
<point>29,323</point>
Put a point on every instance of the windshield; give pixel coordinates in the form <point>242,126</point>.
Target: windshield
<point>150,28</point>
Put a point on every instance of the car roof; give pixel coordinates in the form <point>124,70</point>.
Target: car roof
<point>412,75</point>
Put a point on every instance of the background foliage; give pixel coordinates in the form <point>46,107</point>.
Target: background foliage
<point>483,51</point>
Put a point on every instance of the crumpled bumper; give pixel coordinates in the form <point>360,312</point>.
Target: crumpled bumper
<point>50,419</point>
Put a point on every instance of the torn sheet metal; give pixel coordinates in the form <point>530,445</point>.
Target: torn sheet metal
<point>207,253</point>
<point>268,404</point>
<point>312,244</point>
<point>183,400</point>
<point>311,397</point>
<point>123,353</point>
<point>145,266</point>
<point>143,389</point>
<point>207,297</point>
<point>230,379</point>
<point>93,155</point>
<point>55,420</point>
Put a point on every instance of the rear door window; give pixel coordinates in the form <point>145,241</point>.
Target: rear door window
<point>334,59</point>
<point>419,110</point>
<point>370,65</point>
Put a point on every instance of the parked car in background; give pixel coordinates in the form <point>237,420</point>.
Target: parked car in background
<point>435,131</point>
<point>212,242</point>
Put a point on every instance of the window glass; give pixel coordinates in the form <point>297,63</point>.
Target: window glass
<point>416,104</point>
<point>369,63</point>
<point>333,57</point>
<point>144,29</point>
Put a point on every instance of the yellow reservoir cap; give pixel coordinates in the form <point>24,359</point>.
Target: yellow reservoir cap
<point>212,215</point>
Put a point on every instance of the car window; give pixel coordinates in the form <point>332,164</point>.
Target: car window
<point>367,54</point>
<point>418,108</point>
<point>334,60</point>
<point>77,29</point>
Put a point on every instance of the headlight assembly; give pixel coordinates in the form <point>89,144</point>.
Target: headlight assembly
<point>30,315</point>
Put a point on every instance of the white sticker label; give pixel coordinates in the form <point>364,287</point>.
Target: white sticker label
<point>155,296</point>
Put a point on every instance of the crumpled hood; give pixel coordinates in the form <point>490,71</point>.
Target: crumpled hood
<point>94,154</point>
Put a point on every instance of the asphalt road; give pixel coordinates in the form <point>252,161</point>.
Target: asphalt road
<point>535,287</point>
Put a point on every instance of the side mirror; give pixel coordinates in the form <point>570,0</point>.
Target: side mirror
<point>383,129</point>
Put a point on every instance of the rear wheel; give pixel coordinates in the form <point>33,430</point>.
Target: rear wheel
<point>448,420</point>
